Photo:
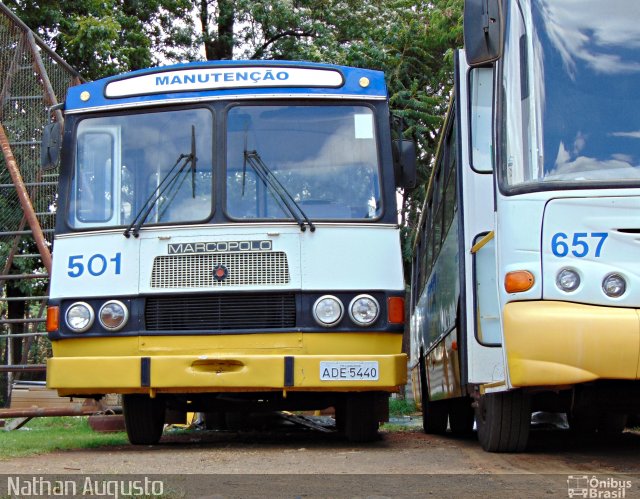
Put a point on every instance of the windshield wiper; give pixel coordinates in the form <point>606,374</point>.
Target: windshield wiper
<point>168,182</point>
<point>284,197</point>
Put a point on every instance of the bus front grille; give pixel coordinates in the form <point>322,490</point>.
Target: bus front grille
<point>240,269</point>
<point>220,312</point>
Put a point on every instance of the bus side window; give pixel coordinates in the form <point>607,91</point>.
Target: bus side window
<point>438,193</point>
<point>450,182</point>
<point>481,106</point>
<point>428,243</point>
<point>423,260</point>
<point>414,281</point>
<point>94,177</point>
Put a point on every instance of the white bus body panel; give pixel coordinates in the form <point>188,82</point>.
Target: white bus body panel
<point>484,364</point>
<point>86,265</point>
<point>333,258</point>
<point>596,236</point>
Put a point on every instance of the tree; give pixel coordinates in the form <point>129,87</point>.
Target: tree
<point>411,41</point>
<point>104,37</point>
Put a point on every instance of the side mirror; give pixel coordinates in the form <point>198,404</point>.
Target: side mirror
<point>405,164</point>
<point>50,148</point>
<point>483,31</point>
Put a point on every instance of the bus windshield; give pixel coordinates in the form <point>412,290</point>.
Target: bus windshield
<point>324,157</point>
<point>124,164</point>
<point>571,106</point>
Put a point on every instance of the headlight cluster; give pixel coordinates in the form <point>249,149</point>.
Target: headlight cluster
<point>113,316</point>
<point>329,310</point>
<point>614,285</point>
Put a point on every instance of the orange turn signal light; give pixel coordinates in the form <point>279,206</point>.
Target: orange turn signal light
<point>518,281</point>
<point>395,310</point>
<point>53,319</point>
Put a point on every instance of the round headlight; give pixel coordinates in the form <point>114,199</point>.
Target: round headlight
<point>79,317</point>
<point>364,310</point>
<point>113,315</point>
<point>614,285</point>
<point>568,280</point>
<point>328,310</point>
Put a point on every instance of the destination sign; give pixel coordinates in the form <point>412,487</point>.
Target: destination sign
<point>223,78</point>
<point>218,247</point>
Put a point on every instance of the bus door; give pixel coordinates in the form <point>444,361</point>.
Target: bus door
<point>484,355</point>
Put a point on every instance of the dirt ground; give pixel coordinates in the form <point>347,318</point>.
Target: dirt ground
<point>294,462</point>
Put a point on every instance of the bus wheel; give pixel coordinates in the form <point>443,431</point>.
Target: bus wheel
<point>504,420</point>
<point>434,412</point>
<point>143,418</point>
<point>461,416</point>
<point>360,417</point>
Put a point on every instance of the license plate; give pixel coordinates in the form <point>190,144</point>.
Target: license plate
<point>333,370</point>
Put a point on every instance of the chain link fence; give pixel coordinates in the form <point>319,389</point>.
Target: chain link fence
<point>32,79</point>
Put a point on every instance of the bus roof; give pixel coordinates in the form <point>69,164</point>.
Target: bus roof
<point>212,80</point>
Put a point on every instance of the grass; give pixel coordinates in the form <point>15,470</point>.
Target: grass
<point>399,428</point>
<point>400,407</point>
<point>42,435</point>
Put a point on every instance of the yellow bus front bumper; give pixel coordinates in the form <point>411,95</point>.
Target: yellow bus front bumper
<point>171,364</point>
<point>551,343</point>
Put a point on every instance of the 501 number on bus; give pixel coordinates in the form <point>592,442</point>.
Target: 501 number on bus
<point>579,244</point>
<point>95,265</point>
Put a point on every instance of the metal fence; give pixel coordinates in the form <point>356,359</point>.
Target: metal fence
<point>32,79</point>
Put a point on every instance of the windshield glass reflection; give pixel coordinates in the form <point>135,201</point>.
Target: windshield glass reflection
<point>324,157</point>
<point>572,109</point>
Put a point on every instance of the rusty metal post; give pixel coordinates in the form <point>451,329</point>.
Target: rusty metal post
<point>44,77</point>
<point>36,412</point>
<point>25,201</point>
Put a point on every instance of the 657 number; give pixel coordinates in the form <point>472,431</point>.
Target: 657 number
<point>95,265</point>
<point>579,244</point>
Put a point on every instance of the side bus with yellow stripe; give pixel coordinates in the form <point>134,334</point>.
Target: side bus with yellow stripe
<point>227,242</point>
<point>525,291</point>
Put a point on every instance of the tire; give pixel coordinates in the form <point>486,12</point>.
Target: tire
<point>504,420</point>
<point>361,417</point>
<point>461,416</point>
<point>143,418</point>
<point>434,412</point>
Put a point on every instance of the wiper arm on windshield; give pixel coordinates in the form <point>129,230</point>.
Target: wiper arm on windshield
<point>168,182</point>
<point>283,195</point>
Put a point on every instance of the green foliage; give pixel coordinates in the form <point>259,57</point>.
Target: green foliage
<point>412,41</point>
<point>401,407</point>
<point>42,435</point>
<point>104,37</point>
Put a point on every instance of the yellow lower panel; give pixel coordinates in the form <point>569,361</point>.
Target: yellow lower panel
<point>559,343</point>
<point>99,375</point>
<point>293,343</point>
<point>195,374</point>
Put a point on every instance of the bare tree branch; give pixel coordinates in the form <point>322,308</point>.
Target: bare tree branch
<point>283,34</point>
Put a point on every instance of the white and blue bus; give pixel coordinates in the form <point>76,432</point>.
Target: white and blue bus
<point>526,281</point>
<point>227,241</point>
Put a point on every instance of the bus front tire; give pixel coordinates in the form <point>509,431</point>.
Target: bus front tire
<point>434,412</point>
<point>503,421</point>
<point>144,418</point>
<point>359,417</point>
